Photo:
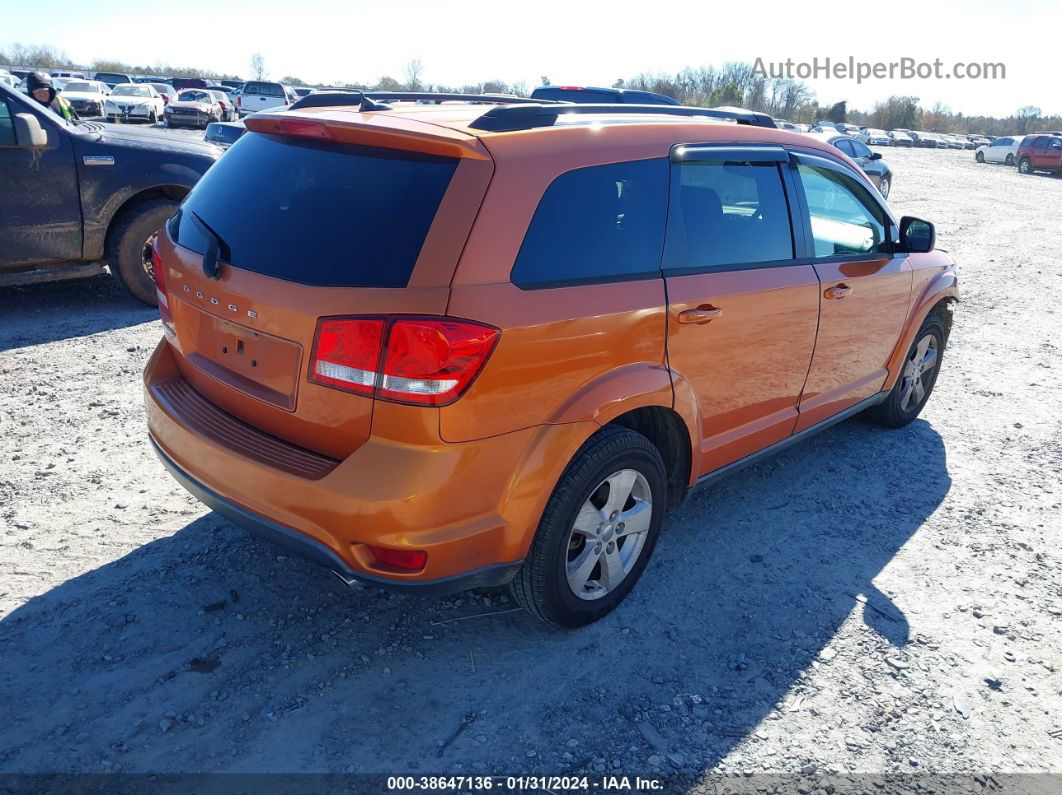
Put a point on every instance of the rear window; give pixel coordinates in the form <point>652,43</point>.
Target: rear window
<point>603,223</point>
<point>265,89</point>
<point>334,216</point>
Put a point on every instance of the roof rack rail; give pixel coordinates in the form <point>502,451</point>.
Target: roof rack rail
<point>527,116</point>
<point>344,96</point>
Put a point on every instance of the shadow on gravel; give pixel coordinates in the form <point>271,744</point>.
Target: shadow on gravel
<point>209,651</point>
<point>42,313</point>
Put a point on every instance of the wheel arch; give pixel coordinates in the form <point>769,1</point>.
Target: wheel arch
<point>938,297</point>
<point>98,236</point>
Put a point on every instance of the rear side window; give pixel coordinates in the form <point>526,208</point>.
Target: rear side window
<point>336,216</point>
<point>602,223</point>
<point>728,214</point>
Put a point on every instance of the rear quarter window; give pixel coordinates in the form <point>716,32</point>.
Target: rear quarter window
<point>602,223</point>
<point>324,215</point>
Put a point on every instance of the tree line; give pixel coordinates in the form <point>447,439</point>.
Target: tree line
<point>733,84</point>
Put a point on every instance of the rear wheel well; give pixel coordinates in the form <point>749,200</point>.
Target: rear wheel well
<point>669,435</point>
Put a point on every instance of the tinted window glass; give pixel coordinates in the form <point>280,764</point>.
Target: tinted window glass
<point>7,128</point>
<point>314,214</point>
<point>845,146</point>
<point>860,149</point>
<point>844,219</point>
<point>727,214</point>
<point>598,223</point>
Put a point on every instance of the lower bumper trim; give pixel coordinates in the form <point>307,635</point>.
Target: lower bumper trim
<point>303,546</point>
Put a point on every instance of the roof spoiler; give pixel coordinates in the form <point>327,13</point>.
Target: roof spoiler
<point>530,116</point>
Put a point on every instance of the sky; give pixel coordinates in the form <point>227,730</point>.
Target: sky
<point>572,42</point>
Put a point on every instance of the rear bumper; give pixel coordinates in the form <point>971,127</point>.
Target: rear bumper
<point>472,506</point>
<point>314,551</point>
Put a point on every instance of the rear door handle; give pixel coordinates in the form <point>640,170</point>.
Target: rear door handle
<point>839,291</point>
<point>701,314</point>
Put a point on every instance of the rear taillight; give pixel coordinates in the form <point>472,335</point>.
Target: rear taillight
<point>158,273</point>
<point>425,361</point>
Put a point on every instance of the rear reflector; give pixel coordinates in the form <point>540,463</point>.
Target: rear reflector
<point>425,361</point>
<point>408,559</point>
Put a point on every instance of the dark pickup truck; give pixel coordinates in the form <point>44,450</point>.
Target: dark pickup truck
<point>77,197</point>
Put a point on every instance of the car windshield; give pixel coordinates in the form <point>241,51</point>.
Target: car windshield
<point>194,96</point>
<point>162,88</point>
<point>131,90</point>
<point>80,85</point>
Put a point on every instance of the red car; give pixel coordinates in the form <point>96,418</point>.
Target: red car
<point>1040,153</point>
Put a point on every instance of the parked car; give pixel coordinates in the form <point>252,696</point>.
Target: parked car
<point>8,79</point>
<point>111,79</point>
<point>134,102</point>
<point>876,169</point>
<point>513,385</point>
<point>231,83</point>
<point>596,94</point>
<point>979,140</point>
<point>166,91</point>
<point>78,198</point>
<point>228,107</point>
<point>1002,150</point>
<point>874,137</point>
<point>224,134</point>
<point>181,83</point>
<point>152,79</point>
<point>67,74</point>
<point>953,141</point>
<point>261,95</point>
<point>87,97</point>
<point>900,138</point>
<point>302,91</point>
<point>193,107</point>
<point>1040,153</point>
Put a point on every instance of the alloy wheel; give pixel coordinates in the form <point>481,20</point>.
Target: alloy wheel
<point>918,372</point>
<point>609,534</point>
<point>884,187</point>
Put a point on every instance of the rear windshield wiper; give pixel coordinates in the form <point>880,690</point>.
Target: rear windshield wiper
<point>215,247</point>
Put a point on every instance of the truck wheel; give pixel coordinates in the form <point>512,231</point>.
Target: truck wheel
<point>597,531</point>
<point>127,253</point>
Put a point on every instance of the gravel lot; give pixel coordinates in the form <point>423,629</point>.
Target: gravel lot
<point>869,602</point>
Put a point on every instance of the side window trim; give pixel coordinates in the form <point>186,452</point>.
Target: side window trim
<point>820,160</point>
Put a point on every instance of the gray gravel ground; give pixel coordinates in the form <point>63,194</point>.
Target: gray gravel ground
<point>868,602</point>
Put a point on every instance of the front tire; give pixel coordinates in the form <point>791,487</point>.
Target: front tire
<point>127,241</point>
<point>917,378</point>
<point>980,157</point>
<point>1025,166</point>
<point>597,532</point>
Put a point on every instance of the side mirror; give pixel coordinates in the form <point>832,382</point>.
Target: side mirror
<point>28,131</point>
<point>917,236</point>
<point>875,155</point>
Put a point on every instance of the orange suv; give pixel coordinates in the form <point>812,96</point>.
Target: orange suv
<point>440,346</point>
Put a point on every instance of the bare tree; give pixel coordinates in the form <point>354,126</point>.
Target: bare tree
<point>414,69</point>
<point>258,66</point>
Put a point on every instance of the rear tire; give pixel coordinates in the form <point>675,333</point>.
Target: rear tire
<point>916,380</point>
<point>884,186</point>
<point>614,485</point>
<point>126,246</point>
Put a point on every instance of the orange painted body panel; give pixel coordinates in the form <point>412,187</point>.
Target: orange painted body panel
<point>557,346</point>
<point>857,334</point>
<point>748,365</point>
<point>468,482</point>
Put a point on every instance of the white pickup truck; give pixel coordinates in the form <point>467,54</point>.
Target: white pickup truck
<point>261,95</point>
